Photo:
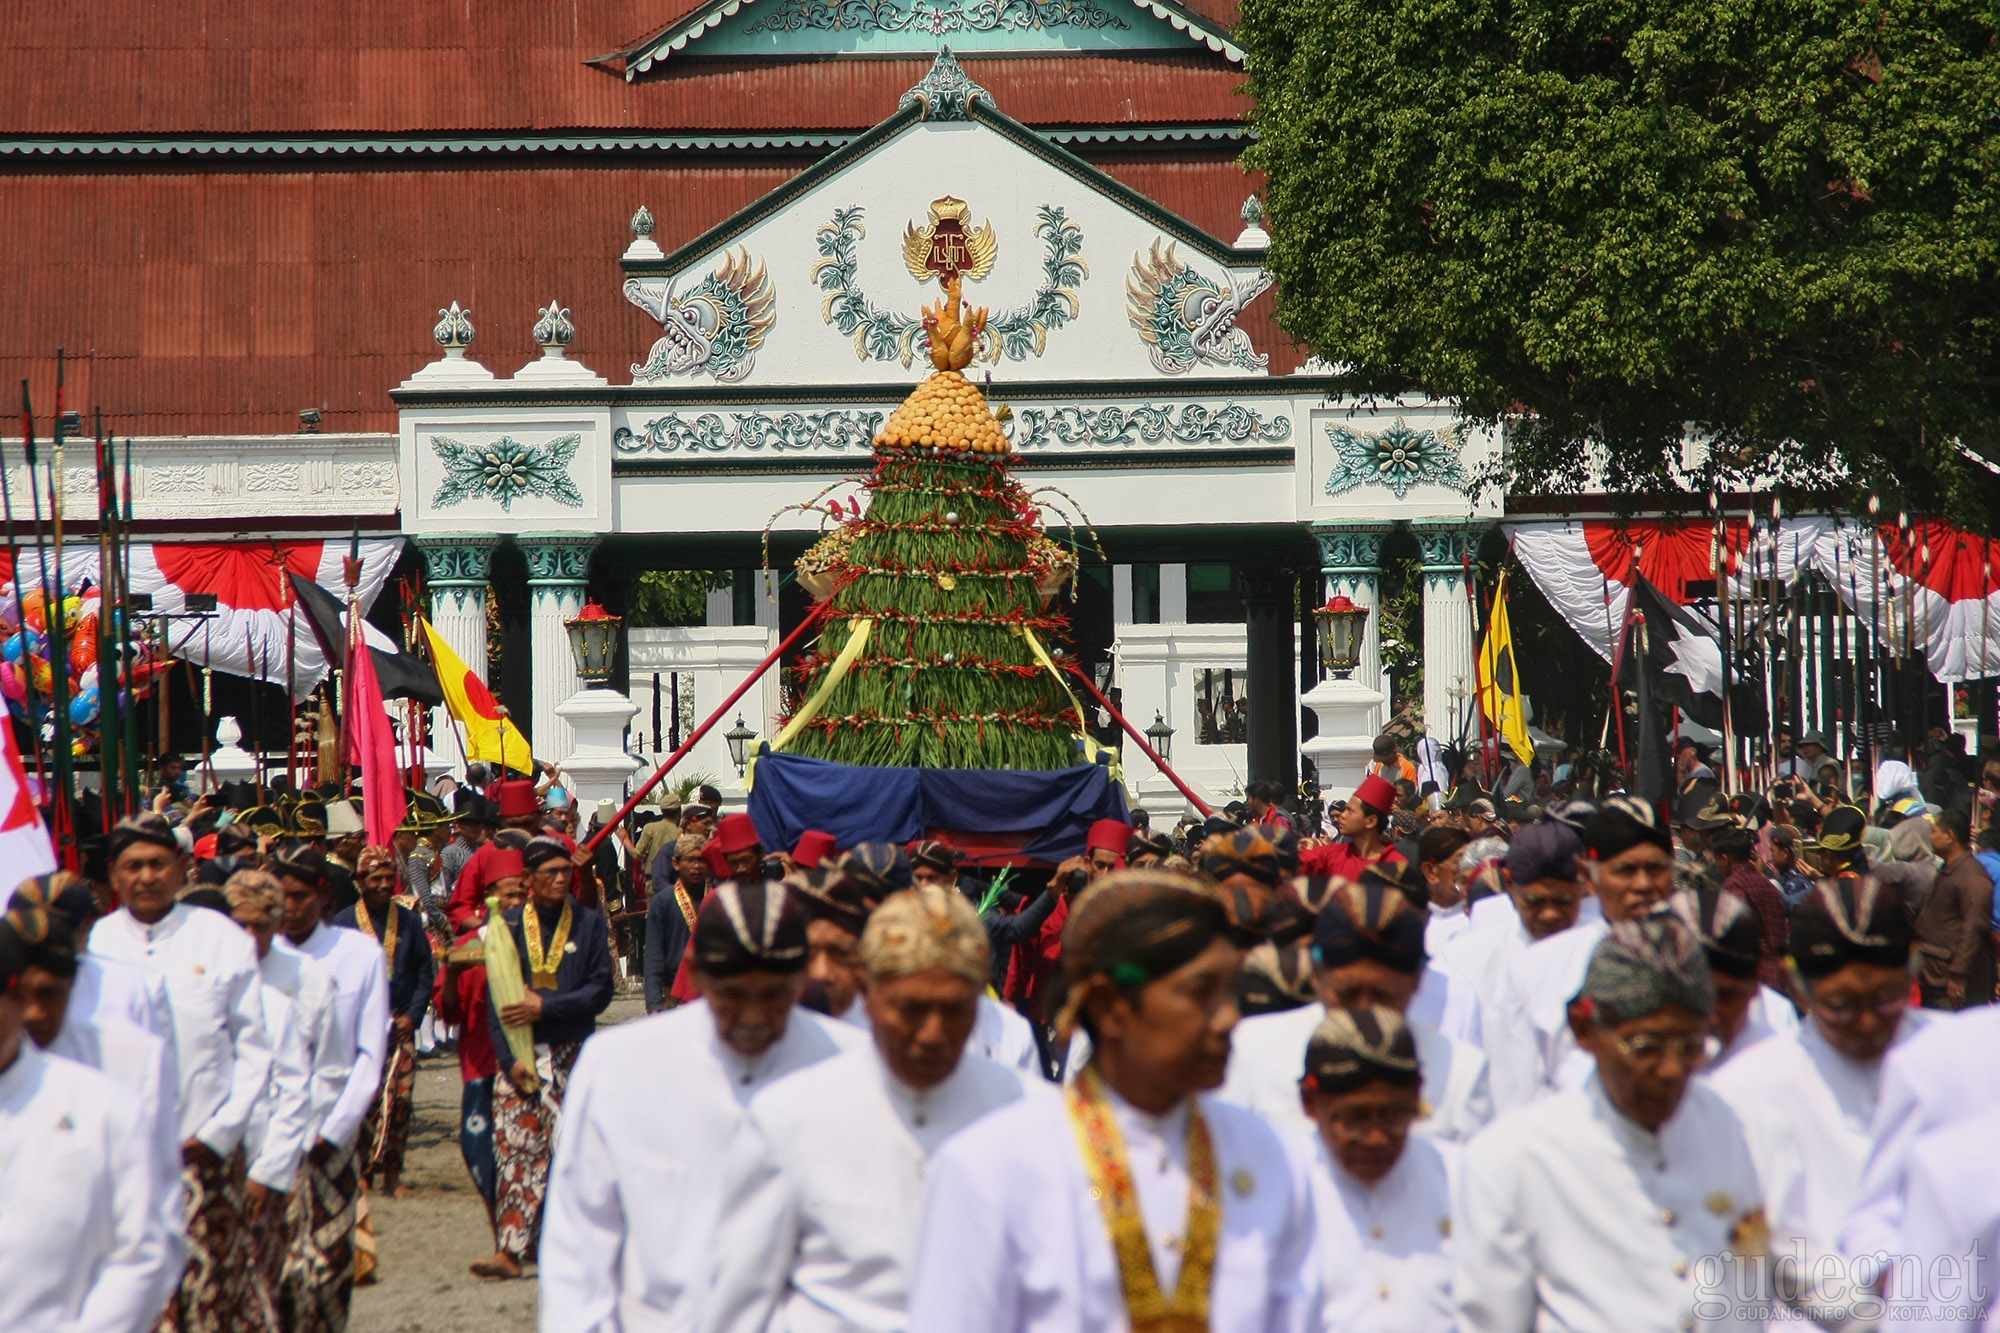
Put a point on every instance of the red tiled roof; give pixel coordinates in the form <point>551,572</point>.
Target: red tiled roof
<point>404,66</point>
<point>195,302</point>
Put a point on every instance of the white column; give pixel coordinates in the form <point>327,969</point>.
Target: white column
<point>1448,646</point>
<point>1173,594</point>
<point>1121,595</point>
<point>1350,712</point>
<point>456,569</point>
<point>558,568</point>
<point>720,610</point>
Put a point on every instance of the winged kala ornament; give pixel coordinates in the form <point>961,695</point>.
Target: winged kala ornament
<point>716,327</point>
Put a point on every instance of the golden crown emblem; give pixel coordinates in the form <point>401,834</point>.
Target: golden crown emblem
<point>947,247</point>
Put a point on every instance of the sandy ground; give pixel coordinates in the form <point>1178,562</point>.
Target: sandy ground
<point>426,1240</point>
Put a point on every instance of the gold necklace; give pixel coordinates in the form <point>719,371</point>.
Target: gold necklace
<point>542,966</point>
<point>388,938</point>
<point>1104,1160</point>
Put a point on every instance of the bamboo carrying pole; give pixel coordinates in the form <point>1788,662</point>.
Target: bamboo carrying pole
<point>1140,740</point>
<point>813,617</point>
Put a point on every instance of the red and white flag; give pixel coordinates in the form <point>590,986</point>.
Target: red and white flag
<point>25,848</point>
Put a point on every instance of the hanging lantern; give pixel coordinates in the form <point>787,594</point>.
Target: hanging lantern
<point>593,642</point>
<point>1341,624</point>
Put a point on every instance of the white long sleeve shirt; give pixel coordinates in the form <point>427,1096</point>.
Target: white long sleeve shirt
<point>275,1138</point>
<point>82,1242</point>
<point>109,991</point>
<point>1004,1037</point>
<point>1807,1109</point>
<point>635,1188</point>
<point>1951,1228</point>
<point>1527,1029</point>
<point>1012,1242</point>
<point>824,1191</point>
<point>361,1006</point>
<point>210,969</point>
<point>329,1046</point>
<point>1942,1075</point>
<point>1571,1215</point>
<point>142,1065</point>
<point>1402,1224</point>
<point>1267,1058</point>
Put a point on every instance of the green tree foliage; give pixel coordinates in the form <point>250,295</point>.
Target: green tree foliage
<point>1609,223</point>
<point>666,597</point>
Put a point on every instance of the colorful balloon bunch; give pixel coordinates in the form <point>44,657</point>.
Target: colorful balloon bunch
<point>27,678</point>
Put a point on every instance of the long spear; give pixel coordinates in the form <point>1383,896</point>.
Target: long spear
<point>128,657</point>
<point>14,561</point>
<point>64,762</point>
<point>110,736</point>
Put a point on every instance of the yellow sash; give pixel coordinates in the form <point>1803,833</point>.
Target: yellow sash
<point>542,966</point>
<point>1110,1174</point>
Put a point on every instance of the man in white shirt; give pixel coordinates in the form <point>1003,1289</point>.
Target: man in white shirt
<point>1944,1277</point>
<point>276,1141</point>
<point>1942,1075</point>
<point>83,1244</point>
<point>318,1281</point>
<point>1546,891</point>
<point>1368,949</point>
<point>635,1187</point>
<point>1628,856</point>
<point>1373,1180</point>
<point>131,1056</point>
<point>1613,1206</point>
<point>837,908</point>
<point>106,991</point>
<point>825,1183</point>
<point>1103,1206</point>
<point>1808,1103</point>
<point>223,1054</point>
<point>1746,1011</point>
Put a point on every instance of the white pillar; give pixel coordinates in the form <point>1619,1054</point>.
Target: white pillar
<point>1173,594</point>
<point>558,568</point>
<point>457,567</point>
<point>1448,646</point>
<point>1121,595</point>
<point>1350,559</point>
<point>597,764</point>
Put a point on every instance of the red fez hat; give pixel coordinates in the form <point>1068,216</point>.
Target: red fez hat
<point>504,863</point>
<point>204,847</point>
<point>1377,792</point>
<point>516,798</point>
<point>736,832</point>
<point>814,847</point>
<point>718,866</point>
<point>1111,835</point>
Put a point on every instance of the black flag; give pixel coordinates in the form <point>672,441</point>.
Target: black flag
<point>402,676</point>
<point>1678,658</point>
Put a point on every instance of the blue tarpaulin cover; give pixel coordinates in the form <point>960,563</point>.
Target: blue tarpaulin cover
<point>1054,807</point>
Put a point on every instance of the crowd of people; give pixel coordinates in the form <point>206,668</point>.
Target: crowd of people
<point>1437,1057</point>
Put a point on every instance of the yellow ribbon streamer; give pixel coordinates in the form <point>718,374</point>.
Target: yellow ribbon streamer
<point>1091,749</point>
<point>857,639</point>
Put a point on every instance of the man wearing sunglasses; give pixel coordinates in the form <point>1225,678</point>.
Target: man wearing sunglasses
<point>1810,1101</point>
<point>1618,1205</point>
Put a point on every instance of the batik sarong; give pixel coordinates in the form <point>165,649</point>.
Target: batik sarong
<point>523,1137</point>
<point>475,1136</point>
<point>318,1282</point>
<point>386,1131</point>
<point>253,1284</point>
<point>211,1291</point>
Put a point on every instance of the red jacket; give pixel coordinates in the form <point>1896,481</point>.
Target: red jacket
<point>1032,971</point>
<point>1339,860</point>
<point>467,1008</point>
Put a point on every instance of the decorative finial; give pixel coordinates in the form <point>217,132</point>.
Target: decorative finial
<point>947,92</point>
<point>1253,212</point>
<point>553,331</point>
<point>453,330</point>
<point>642,221</point>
